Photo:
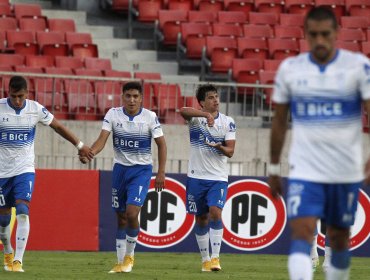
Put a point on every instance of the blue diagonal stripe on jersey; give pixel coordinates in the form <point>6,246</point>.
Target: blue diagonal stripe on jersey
<point>132,143</point>
<point>198,136</point>
<point>11,137</point>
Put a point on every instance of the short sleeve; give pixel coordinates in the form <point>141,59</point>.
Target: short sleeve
<point>45,117</point>
<point>281,93</point>
<point>155,126</point>
<point>231,129</point>
<point>108,121</point>
<point>364,76</point>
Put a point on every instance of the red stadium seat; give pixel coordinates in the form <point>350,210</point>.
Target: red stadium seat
<point>122,5</point>
<point>246,70</point>
<point>338,6</point>
<point>210,5</point>
<point>25,69</point>
<point>62,25</point>
<point>258,31</point>
<point>39,61</point>
<point>52,43</point>
<point>267,78</point>
<point>263,18</point>
<point>78,38</point>
<point>229,30</point>
<point>81,100</point>
<point>221,51</point>
<point>151,83</point>
<point>147,76</point>
<point>5,69</point>
<point>184,5</point>
<point>356,22</point>
<point>5,10</point>
<point>59,71</point>
<point>245,6</point>
<point>32,24</point>
<point>303,46</point>
<point>26,48</point>
<point>269,6</point>
<point>238,18</point>
<point>366,48</point>
<point>68,62</point>
<point>351,46</point>
<point>194,37</point>
<point>191,101</point>
<point>299,6</point>
<point>271,64</point>
<point>169,24</point>
<point>252,48</point>
<point>358,7</point>
<point>289,32</point>
<point>169,98</point>
<point>8,23</point>
<point>351,35</point>
<point>85,50</point>
<point>108,95</point>
<point>23,42</point>
<point>202,16</point>
<point>2,40</point>
<point>98,63</point>
<point>88,72</point>
<point>148,10</point>
<point>282,48</point>
<point>117,74</point>
<point>291,20</point>
<point>27,10</point>
<point>11,59</point>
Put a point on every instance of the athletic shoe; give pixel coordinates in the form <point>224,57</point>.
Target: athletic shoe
<point>315,263</point>
<point>128,263</point>
<point>117,268</point>
<point>17,266</point>
<point>215,264</point>
<point>8,261</point>
<point>206,266</point>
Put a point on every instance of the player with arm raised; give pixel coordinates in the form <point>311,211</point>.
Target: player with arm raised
<point>133,128</point>
<point>212,141</point>
<point>18,119</point>
<point>323,89</point>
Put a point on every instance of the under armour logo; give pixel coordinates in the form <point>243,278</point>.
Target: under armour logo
<point>5,119</point>
<point>23,239</point>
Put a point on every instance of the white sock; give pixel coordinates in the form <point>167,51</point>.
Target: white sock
<point>300,267</point>
<point>203,244</point>
<point>5,239</point>
<point>334,273</point>
<point>314,254</point>
<point>215,236</point>
<point>121,249</point>
<point>23,229</point>
<point>130,245</point>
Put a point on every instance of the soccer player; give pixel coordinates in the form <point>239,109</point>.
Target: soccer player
<point>323,90</point>
<point>133,128</point>
<point>212,141</point>
<point>18,119</point>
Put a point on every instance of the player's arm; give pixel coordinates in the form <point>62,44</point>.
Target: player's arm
<point>188,112</point>
<point>100,142</point>
<point>367,166</point>
<point>69,136</point>
<point>227,149</point>
<point>162,157</point>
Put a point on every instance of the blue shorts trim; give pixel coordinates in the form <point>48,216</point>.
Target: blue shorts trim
<point>17,187</point>
<point>130,185</point>
<point>336,204</point>
<point>202,194</point>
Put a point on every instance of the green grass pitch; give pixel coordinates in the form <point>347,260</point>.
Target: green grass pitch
<point>162,266</point>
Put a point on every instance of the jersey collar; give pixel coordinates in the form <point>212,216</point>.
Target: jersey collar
<point>322,67</point>
<point>17,110</point>
<point>131,118</point>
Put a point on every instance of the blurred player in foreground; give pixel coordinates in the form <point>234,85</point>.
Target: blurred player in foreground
<point>18,119</point>
<point>133,128</point>
<point>323,89</point>
<point>212,141</point>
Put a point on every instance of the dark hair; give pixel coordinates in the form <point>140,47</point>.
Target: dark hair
<point>202,91</point>
<point>132,85</point>
<point>321,13</point>
<point>17,83</point>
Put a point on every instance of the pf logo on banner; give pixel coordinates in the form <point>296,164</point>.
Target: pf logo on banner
<point>360,231</point>
<point>163,218</point>
<point>252,218</point>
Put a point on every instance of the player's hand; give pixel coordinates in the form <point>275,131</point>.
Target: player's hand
<point>276,188</point>
<point>159,181</point>
<point>210,120</point>
<point>84,160</point>
<point>214,145</point>
<point>86,152</point>
<point>367,173</point>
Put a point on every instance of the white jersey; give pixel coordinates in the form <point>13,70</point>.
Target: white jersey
<point>132,135</point>
<point>17,130</point>
<point>206,162</point>
<point>325,103</point>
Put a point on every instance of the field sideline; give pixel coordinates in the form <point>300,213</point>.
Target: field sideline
<point>162,266</point>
